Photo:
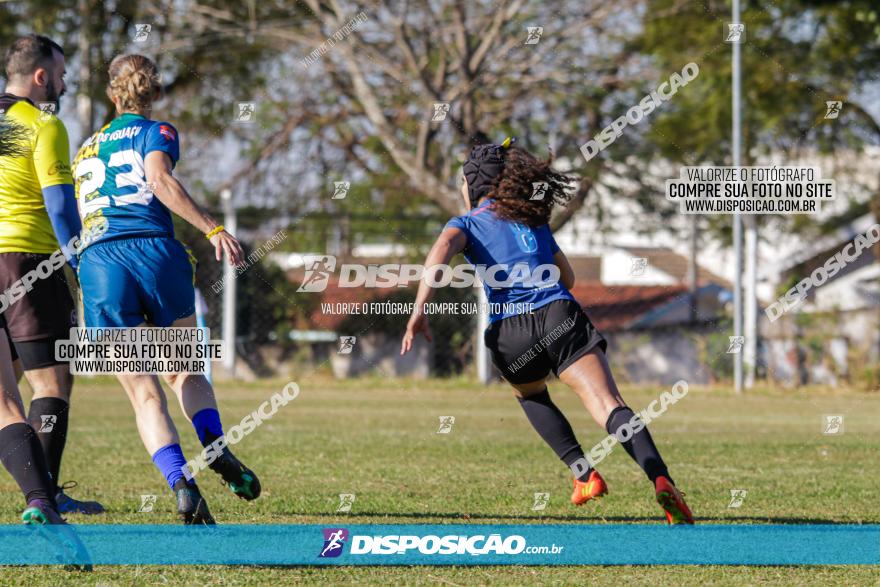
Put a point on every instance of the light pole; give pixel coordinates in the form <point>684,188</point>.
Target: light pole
<point>737,218</point>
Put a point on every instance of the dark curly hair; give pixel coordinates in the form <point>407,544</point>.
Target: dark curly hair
<point>527,189</point>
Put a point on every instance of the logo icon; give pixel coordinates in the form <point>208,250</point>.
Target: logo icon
<point>59,167</point>
<point>541,501</point>
<point>245,112</point>
<point>736,32</point>
<point>737,497</point>
<point>334,540</point>
<point>736,344</point>
<point>346,500</point>
<point>340,189</point>
<point>539,190</point>
<point>446,424</point>
<point>346,344</point>
<point>832,424</point>
<point>167,132</point>
<point>318,274</point>
<point>639,265</point>
<point>145,192</point>
<point>147,503</point>
<point>47,110</point>
<point>142,32</point>
<point>441,109</point>
<point>534,34</point>
<point>47,422</point>
<point>832,109</point>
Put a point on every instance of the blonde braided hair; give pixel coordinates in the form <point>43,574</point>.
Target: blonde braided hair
<point>134,82</point>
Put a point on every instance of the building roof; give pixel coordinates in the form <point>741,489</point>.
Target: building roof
<point>613,307</point>
<point>587,268</point>
<point>675,265</point>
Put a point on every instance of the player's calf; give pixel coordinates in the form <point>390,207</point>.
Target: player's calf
<point>191,506</point>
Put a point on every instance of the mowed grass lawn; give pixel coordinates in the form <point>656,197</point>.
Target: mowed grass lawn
<point>378,439</point>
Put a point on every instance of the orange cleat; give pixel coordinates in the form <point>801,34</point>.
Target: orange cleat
<point>672,502</point>
<point>593,488</point>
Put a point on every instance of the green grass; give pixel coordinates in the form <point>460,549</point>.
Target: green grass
<point>377,439</point>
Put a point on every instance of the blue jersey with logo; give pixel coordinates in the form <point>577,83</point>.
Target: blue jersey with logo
<point>111,186</point>
<point>524,254</point>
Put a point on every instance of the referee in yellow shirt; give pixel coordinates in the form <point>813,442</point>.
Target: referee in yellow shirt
<point>38,215</point>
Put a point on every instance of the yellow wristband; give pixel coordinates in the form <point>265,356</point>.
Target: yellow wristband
<point>217,230</point>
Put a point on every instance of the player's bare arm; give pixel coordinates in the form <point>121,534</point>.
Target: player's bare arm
<point>566,273</point>
<point>172,193</point>
<point>450,243</point>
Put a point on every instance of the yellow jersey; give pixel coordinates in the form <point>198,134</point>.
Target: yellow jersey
<point>24,222</point>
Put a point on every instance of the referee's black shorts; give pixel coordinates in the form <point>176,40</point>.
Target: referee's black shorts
<point>4,332</point>
<point>527,347</point>
<point>39,309</point>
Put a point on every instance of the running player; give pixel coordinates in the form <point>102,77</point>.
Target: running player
<point>137,274</point>
<point>538,327</point>
<point>37,217</point>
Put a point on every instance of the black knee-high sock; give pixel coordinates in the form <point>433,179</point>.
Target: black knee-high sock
<point>48,416</point>
<point>554,428</point>
<point>640,446</point>
<point>22,455</point>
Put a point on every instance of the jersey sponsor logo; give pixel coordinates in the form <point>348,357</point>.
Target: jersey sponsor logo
<point>167,132</point>
<point>58,168</point>
<point>524,236</point>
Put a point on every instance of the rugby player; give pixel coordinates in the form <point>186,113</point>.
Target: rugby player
<point>507,226</point>
<point>20,451</point>
<point>38,216</point>
<point>137,274</point>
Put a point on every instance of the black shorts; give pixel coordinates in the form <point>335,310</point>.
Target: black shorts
<point>5,333</point>
<point>527,347</point>
<point>38,316</point>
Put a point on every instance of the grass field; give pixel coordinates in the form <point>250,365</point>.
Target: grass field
<point>378,439</point>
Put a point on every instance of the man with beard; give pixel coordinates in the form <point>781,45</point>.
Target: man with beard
<point>38,216</point>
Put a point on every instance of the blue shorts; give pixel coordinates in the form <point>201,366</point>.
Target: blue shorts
<point>126,282</point>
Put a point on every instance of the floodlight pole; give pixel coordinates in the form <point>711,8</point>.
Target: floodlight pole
<point>750,328</point>
<point>737,218</point>
<point>230,221</point>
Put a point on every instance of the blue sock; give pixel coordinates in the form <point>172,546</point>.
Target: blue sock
<point>207,425</point>
<point>169,460</point>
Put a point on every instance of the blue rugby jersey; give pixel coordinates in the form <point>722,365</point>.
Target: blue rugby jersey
<point>522,282</point>
<point>110,178</point>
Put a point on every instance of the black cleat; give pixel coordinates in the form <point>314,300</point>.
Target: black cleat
<point>69,549</point>
<point>242,481</point>
<point>192,507</point>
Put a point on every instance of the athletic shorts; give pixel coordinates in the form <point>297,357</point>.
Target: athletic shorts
<point>527,347</point>
<point>5,329</point>
<point>128,281</point>
<point>35,318</point>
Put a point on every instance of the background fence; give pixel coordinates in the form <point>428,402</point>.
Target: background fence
<point>284,331</point>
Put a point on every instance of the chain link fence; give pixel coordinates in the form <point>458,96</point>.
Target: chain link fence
<point>656,333</point>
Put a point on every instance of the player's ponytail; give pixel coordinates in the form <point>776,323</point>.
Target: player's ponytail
<point>134,82</point>
<point>528,189</point>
